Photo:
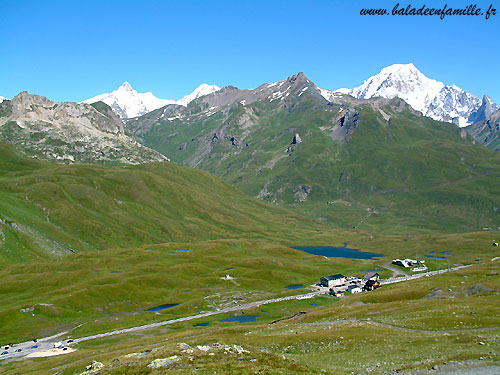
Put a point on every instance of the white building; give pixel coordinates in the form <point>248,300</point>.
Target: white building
<point>354,289</point>
<point>408,262</point>
<point>333,281</point>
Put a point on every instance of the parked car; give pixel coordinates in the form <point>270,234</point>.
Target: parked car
<point>34,347</point>
<point>18,350</point>
<point>5,352</point>
<point>70,340</point>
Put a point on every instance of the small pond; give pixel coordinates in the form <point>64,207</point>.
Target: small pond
<point>314,304</point>
<point>434,257</point>
<point>162,307</point>
<point>149,249</point>
<point>295,286</point>
<point>338,252</point>
<point>241,319</point>
<point>366,271</point>
<point>206,324</point>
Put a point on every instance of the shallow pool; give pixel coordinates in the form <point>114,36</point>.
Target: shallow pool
<point>434,257</point>
<point>163,307</point>
<point>206,324</point>
<point>295,286</point>
<point>241,319</point>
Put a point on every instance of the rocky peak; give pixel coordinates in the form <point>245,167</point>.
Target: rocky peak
<point>25,100</point>
<point>70,132</point>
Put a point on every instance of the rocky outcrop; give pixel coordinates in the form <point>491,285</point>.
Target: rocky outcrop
<point>163,362</point>
<point>488,107</point>
<point>346,125</point>
<point>302,192</point>
<point>487,132</point>
<point>69,132</point>
<point>94,368</point>
<point>295,141</point>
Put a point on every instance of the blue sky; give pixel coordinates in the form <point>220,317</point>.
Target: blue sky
<point>72,50</point>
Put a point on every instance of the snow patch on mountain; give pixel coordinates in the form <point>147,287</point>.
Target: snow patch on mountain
<point>127,102</point>
<point>433,98</point>
<point>2,99</point>
<point>200,91</point>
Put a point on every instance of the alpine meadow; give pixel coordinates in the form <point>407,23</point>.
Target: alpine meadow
<point>285,228</point>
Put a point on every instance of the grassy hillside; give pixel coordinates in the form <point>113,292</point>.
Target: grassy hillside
<point>410,326</point>
<point>49,209</point>
<point>393,170</point>
<point>90,248</point>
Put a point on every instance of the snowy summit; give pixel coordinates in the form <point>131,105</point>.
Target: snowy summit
<point>200,91</point>
<point>127,102</point>
<point>433,98</point>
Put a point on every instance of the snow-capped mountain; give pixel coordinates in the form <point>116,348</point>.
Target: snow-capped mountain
<point>2,99</point>
<point>201,90</point>
<point>127,102</point>
<point>433,98</point>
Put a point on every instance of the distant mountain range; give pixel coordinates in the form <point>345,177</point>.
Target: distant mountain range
<point>127,102</point>
<point>360,163</point>
<point>363,163</point>
<point>433,98</point>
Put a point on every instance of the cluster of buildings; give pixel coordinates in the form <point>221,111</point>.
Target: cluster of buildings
<point>339,284</point>
<point>408,263</point>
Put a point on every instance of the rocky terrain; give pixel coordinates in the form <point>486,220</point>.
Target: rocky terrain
<point>487,132</point>
<point>69,132</point>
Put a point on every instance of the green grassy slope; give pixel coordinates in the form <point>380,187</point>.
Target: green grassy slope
<point>407,174</point>
<point>47,209</point>
<point>410,326</point>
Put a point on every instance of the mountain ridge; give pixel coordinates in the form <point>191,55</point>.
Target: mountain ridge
<point>366,153</point>
<point>127,102</point>
<point>69,132</point>
<point>433,98</point>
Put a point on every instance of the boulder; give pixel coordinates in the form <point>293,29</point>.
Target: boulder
<point>477,289</point>
<point>163,362</point>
